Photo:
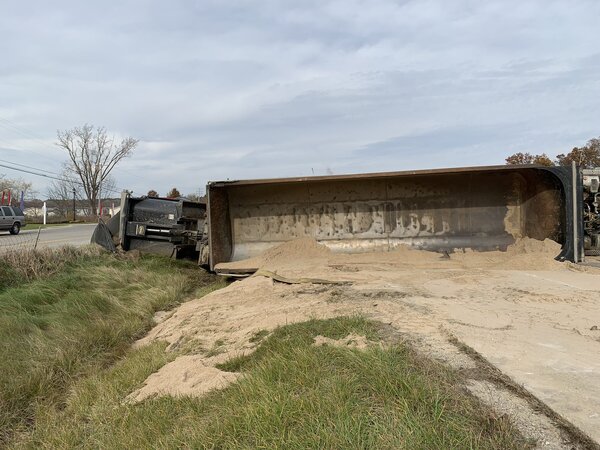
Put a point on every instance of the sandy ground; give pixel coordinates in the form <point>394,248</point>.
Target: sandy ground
<point>535,319</point>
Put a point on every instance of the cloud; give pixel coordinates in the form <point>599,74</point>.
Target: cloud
<point>241,89</point>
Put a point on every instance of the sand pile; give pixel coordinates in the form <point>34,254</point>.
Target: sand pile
<point>186,375</point>
<point>303,248</point>
<point>232,316</point>
<point>537,324</point>
<point>289,253</point>
<point>402,255</point>
<point>306,257</point>
<point>255,303</point>
<point>524,254</point>
<point>228,320</point>
<point>529,245</point>
<point>377,286</point>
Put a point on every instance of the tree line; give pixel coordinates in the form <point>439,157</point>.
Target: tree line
<point>93,154</point>
<point>174,193</point>
<point>587,157</point>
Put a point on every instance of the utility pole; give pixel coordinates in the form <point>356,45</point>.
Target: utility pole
<point>99,200</point>
<point>74,205</point>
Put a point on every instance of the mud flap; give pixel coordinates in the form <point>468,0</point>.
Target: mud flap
<point>103,237</point>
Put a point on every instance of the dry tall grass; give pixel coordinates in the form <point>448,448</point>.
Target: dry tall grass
<point>61,327</point>
<point>27,264</point>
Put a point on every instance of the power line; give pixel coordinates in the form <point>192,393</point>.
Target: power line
<point>28,167</point>
<point>10,125</point>
<point>47,176</point>
<point>22,131</point>
<point>33,173</point>
<point>14,148</point>
<point>50,176</point>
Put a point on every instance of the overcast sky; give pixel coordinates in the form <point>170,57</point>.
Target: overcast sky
<point>242,89</point>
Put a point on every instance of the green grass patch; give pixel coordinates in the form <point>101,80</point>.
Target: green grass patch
<point>60,328</point>
<point>35,226</point>
<point>259,336</point>
<point>293,395</point>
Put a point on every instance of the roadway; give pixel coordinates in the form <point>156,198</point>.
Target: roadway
<point>76,234</point>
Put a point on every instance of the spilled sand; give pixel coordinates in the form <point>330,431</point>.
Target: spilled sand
<point>534,318</point>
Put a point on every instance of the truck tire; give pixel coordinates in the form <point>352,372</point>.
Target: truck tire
<point>15,228</point>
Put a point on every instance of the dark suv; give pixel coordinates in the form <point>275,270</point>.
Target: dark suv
<point>12,219</point>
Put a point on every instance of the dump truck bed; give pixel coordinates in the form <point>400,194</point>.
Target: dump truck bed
<point>482,208</point>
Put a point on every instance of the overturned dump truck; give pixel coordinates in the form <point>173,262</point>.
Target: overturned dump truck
<point>480,208</point>
<point>171,227</point>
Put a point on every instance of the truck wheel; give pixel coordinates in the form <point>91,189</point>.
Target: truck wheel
<point>15,228</point>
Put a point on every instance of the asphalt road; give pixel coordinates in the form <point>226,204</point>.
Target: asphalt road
<point>76,235</point>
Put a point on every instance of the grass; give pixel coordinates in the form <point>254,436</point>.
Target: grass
<point>217,348</point>
<point>76,322</point>
<point>23,265</point>
<point>293,395</point>
<point>259,336</point>
<point>35,226</point>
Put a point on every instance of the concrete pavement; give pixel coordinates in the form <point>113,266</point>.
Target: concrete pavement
<point>77,234</point>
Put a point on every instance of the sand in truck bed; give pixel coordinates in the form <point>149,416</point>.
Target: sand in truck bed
<point>534,318</point>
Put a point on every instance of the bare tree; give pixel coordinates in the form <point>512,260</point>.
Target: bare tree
<point>61,191</point>
<point>33,204</point>
<point>196,196</point>
<point>92,157</point>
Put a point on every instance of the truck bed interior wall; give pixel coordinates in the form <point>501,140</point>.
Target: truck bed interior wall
<point>479,208</point>
<point>219,225</point>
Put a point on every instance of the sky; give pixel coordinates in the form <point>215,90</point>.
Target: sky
<point>219,90</point>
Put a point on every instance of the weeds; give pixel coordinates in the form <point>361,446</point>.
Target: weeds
<point>24,265</point>
<point>217,348</point>
<point>258,336</point>
<point>293,395</point>
<point>76,322</point>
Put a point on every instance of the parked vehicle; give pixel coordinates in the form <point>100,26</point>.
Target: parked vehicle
<point>12,219</point>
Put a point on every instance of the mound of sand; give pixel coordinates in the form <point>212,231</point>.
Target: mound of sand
<point>232,315</point>
<point>528,245</point>
<point>537,324</point>
<point>524,254</point>
<point>186,375</point>
<point>294,252</point>
<point>307,256</point>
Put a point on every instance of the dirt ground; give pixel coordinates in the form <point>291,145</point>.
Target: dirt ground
<point>533,318</point>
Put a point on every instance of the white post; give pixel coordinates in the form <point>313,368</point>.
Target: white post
<point>44,212</point>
